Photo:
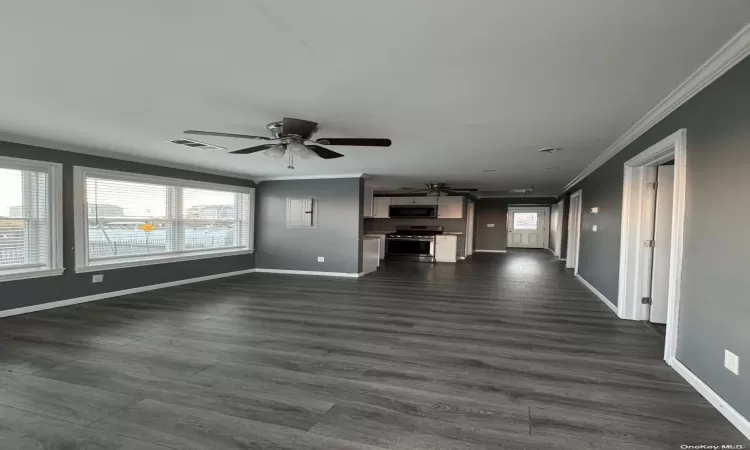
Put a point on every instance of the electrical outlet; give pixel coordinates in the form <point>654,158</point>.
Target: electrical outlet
<point>732,362</point>
<point>97,278</point>
<point>490,225</point>
<point>321,259</point>
<point>595,228</point>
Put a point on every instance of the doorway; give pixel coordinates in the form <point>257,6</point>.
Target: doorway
<point>528,226</point>
<point>574,231</point>
<point>469,229</point>
<point>557,228</point>
<point>653,215</point>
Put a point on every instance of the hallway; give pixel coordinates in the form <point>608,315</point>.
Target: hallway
<point>502,351</point>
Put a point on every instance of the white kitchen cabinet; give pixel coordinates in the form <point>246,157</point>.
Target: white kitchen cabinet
<point>450,207</point>
<point>426,200</point>
<point>380,207</point>
<point>381,237</point>
<point>402,201</point>
<point>446,248</point>
<point>368,207</point>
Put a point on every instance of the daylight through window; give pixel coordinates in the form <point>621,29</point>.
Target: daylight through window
<point>131,218</point>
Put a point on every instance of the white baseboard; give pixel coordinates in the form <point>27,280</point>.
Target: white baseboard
<point>597,293</point>
<point>312,272</point>
<point>91,298</point>
<point>734,416</point>
<point>489,251</point>
<point>563,259</point>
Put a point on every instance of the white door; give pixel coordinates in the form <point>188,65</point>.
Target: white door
<point>662,244</point>
<point>574,231</point>
<point>527,227</point>
<point>469,229</point>
<point>558,228</point>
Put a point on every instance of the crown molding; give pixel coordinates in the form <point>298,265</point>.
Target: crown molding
<point>731,53</point>
<point>311,177</point>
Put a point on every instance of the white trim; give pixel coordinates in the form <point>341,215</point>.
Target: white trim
<point>84,264</point>
<point>312,177</point>
<point>311,272</point>
<point>551,251</point>
<point>734,416</point>
<point>160,180</point>
<point>571,256</point>
<point>563,259</point>
<point>91,298</point>
<point>734,51</point>
<point>596,292</point>
<point>27,274</point>
<point>120,264</point>
<point>637,226</point>
<point>54,194</point>
<point>490,251</point>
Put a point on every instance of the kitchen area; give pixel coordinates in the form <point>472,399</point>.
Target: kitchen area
<point>423,228</point>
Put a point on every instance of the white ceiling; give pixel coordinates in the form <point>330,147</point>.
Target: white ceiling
<point>460,86</point>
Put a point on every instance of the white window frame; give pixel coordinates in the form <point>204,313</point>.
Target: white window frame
<point>55,199</point>
<point>83,264</point>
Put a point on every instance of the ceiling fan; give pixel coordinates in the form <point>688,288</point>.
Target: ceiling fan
<point>294,136</point>
<point>440,189</point>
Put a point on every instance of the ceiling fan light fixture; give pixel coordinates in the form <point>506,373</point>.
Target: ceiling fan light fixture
<point>277,151</point>
<point>299,149</point>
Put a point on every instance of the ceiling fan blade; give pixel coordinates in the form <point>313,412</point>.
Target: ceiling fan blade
<point>302,128</point>
<point>462,189</point>
<point>232,135</point>
<point>356,142</point>
<point>324,152</point>
<point>258,148</point>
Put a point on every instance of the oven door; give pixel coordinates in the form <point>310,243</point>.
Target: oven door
<point>409,249</point>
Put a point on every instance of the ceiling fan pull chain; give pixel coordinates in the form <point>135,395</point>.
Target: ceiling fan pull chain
<point>291,162</point>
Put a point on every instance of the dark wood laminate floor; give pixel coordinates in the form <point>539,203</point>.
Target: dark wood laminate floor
<point>505,351</point>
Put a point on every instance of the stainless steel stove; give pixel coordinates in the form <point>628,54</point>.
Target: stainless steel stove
<point>412,243</point>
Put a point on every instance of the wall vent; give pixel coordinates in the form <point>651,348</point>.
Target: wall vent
<point>197,144</point>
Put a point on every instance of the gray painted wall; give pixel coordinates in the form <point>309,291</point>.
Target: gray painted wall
<point>495,210</point>
<point>20,293</point>
<point>715,307</point>
<point>337,236</point>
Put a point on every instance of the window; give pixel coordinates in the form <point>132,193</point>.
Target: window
<point>30,219</point>
<point>130,220</point>
<point>526,221</point>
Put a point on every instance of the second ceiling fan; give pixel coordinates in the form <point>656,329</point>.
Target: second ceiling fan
<point>294,136</point>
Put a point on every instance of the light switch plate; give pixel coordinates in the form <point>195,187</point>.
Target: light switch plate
<point>98,278</point>
<point>595,210</point>
<point>321,259</point>
<point>595,228</point>
<point>732,362</point>
<point>490,225</point>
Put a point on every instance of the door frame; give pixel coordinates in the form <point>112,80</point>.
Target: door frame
<point>638,203</point>
<point>574,233</point>
<point>559,227</point>
<point>545,223</point>
<point>470,218</point>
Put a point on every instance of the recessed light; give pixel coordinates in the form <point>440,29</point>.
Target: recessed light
<point>550,150</point>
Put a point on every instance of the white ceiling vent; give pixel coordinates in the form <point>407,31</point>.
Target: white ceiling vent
<point>197,144</point>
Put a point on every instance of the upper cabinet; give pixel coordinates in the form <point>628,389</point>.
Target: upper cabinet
<point>368,208</point>
<point>426,200</point>
<point>380,207</point>
<point>450,207</point>
<point>402,200</point>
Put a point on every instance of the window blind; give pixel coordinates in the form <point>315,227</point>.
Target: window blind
<point>24,220</point>
<point>130,219</point>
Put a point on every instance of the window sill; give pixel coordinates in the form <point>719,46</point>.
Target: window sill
<point>124,264</point>
<point>27,274</point>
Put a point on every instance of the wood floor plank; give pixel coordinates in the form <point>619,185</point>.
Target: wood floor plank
<point>499,351</point>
